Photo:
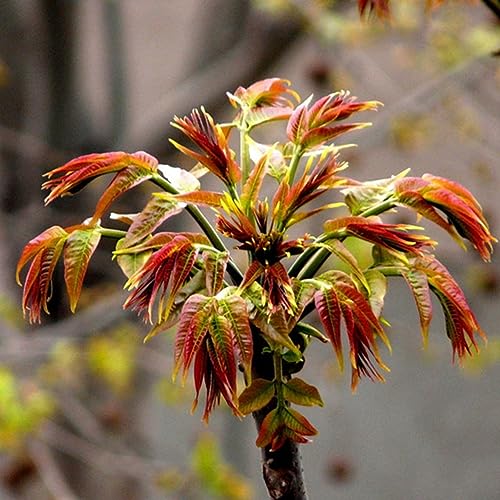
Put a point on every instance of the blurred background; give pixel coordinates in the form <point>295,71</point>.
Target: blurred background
<point>86,410</point>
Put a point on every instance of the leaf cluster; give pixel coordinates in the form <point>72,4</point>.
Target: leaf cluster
<point>222,308</point>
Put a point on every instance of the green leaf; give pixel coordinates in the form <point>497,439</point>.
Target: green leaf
<point>377,286</point>
<point>310,331</point>
<point>337,248</point>
<point>256,396</point>
<point>79,248</point>
<point>299,392</point>
<point>130,263</point>
<point>261,115</point>
<point>180,179</point>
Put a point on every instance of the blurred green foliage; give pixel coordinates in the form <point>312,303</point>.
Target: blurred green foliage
<point>23,408</point>
<point>207,475</point>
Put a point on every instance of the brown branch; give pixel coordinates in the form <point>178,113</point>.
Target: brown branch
<point>281,469</point>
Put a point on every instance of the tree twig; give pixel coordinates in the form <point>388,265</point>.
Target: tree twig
<point>49,471</point>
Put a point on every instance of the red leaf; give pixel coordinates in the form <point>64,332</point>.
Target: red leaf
<point>38,280</point>
<point>223,359</point>
<point>44,240</point>
<point>328,307</point>
<point>461,323</point>
<point>320,135</point>
<point>164,273</point>
<point>234,309</point>
<point>78,172</point>
<point>216,155</point>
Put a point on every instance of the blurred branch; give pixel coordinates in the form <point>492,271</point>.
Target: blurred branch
<point>49,471</point>
<point>263,40</point>
<point>29,147</point>
<point>40,341</point>
<point>99,458</point>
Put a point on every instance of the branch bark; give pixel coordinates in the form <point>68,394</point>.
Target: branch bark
<point>281,469</point>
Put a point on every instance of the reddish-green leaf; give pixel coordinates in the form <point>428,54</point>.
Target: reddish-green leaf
<point>79,248</point>
<point>223,359</point>
<point>320,135</point>
<point>122,182</point>
<point>256,396</point>
<point>45,239</point>
<point>299,392</point>
<point>297,422</point>
<point>234,309</point>
<point>251,189</point>
<point>215,264</point>
<point>158,209</point>
<point>204,198</point>
<point>269,427</point>
<point>193,327</point>
<point>419,286</point>
<point>38,280</point>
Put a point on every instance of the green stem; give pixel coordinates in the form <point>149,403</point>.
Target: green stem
<point>312,259</point>
<point>205,226</point>
<point>380,208</point>
<point>298,151</point>
<point>244,153</point>
<point>117,234</point>
<point>278,377</point>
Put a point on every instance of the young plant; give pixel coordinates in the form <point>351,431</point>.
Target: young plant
<point>255,303</point>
